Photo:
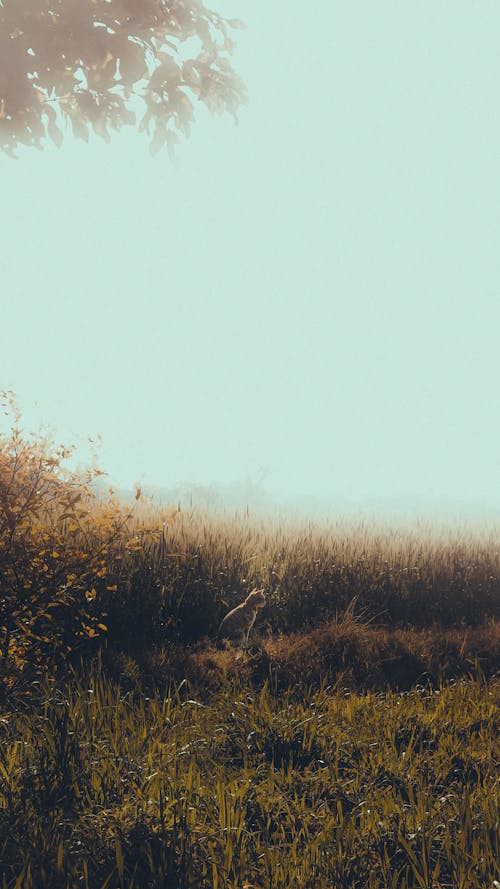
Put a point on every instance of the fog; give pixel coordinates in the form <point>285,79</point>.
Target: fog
<point>308,299</point>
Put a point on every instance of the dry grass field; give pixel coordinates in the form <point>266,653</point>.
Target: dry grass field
<point>354,744</point>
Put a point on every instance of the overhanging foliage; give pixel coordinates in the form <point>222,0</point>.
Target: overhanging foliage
<point>102,64</point>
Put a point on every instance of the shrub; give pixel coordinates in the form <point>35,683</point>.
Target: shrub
<point>55,537</point>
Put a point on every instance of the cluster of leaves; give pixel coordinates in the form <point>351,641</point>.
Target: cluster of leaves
<point>275,789</point>
<point>54,541</point>
<point>94,63</point>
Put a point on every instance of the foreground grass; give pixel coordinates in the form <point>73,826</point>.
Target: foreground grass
<point>269,789</point>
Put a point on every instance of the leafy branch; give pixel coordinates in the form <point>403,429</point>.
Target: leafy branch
<point>99,65</point>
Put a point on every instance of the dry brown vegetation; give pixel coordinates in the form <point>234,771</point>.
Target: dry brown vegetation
<point>354,745</point>
<point>78,574</point>
<point>363,656</point>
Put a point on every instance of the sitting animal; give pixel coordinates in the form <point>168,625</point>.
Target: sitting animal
<point>237,624</point>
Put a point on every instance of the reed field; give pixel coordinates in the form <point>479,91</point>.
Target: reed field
<point>354,744</point>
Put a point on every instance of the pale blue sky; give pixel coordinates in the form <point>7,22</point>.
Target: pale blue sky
<point>315,292</point>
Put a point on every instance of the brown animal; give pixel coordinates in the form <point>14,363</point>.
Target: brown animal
<point>237,624</point>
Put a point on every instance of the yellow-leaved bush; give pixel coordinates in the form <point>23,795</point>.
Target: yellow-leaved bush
<point>55,535</point>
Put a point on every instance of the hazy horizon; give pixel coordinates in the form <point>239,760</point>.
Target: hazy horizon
<point>310,298</point>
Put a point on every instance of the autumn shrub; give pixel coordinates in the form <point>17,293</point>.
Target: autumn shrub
<point>55,540</point>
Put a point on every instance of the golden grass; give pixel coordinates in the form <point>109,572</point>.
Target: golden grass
<point>100,787</point>
<point>185,574</point>
<point>354,745</point>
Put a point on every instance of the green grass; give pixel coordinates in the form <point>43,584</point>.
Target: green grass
<point>101,787</point>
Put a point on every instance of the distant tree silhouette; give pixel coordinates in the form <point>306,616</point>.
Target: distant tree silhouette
<point>102,64</point>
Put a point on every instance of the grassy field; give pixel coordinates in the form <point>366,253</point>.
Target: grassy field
<point>355,744</point>
<point>273,789</point>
